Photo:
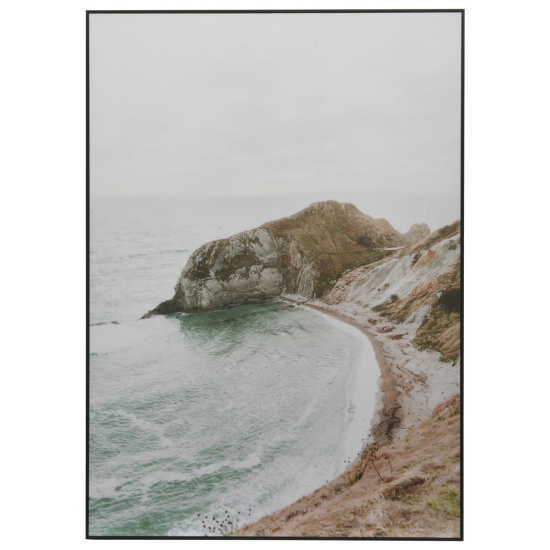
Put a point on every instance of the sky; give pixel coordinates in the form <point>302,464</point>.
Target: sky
<point>280,104</point>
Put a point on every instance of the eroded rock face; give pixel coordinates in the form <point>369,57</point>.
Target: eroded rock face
<point>245,267</point>
<point>419,288</point>
<point>303,254</point>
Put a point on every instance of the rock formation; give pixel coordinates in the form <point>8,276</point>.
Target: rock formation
<point>303,254</point>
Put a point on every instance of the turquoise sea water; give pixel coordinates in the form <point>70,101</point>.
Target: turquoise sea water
<point>236,412</point>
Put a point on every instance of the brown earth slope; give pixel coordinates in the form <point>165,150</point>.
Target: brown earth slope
<point>408,489</point>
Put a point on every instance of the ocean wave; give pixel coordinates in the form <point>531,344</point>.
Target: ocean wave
<point>146,426</point>
<point>120,488</point>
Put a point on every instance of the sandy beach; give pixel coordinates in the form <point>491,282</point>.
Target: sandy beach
<point>405,483</point>
<point>414,381</point>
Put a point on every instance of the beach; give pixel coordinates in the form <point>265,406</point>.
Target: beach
<point>405,482</point>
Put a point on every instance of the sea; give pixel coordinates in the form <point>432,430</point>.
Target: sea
<point>202,423</point>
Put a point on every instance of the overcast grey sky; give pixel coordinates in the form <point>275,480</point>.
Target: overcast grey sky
<point>190,104</point>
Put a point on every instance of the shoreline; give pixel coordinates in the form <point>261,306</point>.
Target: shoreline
<point>414,381</point>
<point>387,395</point>
<point>414,385</point>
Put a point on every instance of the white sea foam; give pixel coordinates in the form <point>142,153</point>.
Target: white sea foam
<point>362,388</point>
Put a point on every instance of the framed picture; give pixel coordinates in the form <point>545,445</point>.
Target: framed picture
<point>275,274</point>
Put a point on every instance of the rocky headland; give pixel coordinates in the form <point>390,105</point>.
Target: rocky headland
<point>404,292</point>
<point>303,254</point>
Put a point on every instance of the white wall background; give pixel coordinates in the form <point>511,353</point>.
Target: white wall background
<point>42,217</point>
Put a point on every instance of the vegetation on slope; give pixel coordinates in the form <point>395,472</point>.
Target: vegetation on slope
<point>336,237</point>
<point>440,330</point>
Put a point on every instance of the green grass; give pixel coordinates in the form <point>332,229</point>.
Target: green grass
<point>447,503</point>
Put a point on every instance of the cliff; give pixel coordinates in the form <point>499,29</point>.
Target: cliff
<point>418,288</point>
<point>303,254</point>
